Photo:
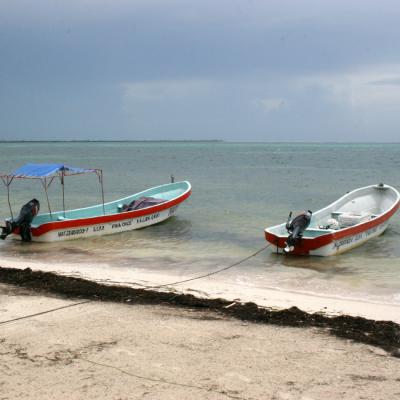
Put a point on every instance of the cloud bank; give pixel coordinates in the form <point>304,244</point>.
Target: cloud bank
<point>233,70</point>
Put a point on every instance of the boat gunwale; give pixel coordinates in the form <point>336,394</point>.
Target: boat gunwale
<point>121,199</point>
<point>313,243</point>
<point>94,220</point>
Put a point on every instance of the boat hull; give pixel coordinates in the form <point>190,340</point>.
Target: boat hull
<point>99,225</point>
<point>104,228</point>
<point>334,241</point>
<point>330,245</point>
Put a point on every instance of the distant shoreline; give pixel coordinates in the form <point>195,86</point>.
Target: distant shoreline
<point>195,141</point>
<point>112,141</point>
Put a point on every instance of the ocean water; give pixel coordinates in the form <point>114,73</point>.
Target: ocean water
<point>238,190</point>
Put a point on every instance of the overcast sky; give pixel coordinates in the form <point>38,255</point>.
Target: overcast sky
<point>249,70</point>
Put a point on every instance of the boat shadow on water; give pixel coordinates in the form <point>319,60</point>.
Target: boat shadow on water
<point>333,265</point>
<point>165,234</point>
<point>176,228</point>
<point>384,247</point>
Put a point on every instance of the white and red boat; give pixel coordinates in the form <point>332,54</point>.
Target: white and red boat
<point>350,221</point>
<point>136,211</point>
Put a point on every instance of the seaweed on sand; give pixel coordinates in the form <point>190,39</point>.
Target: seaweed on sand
<point>383,334</point>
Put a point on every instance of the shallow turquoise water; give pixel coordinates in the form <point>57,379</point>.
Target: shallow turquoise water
<point>238,190</point>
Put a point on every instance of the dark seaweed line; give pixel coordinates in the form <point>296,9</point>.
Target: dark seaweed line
<point>383,334</point>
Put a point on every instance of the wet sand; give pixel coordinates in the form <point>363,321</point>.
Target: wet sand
<point>383,334</point>
<point>224,285</point>
<point>107,350</point>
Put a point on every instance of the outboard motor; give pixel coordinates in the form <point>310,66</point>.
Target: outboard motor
<point>296,228</point>
<point>23,222</point>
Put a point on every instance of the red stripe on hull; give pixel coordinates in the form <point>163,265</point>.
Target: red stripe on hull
<point>308,244</point>
<point>74,223</point>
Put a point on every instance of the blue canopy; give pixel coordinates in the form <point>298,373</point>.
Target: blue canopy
<point>43,171</point>
<point>47,170</point>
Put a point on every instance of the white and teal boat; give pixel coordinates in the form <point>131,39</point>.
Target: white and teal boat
<point>136,211</point>
<point>348,222</point>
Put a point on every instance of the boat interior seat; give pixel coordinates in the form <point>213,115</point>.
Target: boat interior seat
<point>347,219</point>
<point>344,219</point>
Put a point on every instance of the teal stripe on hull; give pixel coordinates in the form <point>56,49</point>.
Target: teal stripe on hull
<point>166,192</point>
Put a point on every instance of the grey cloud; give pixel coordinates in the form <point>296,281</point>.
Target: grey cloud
<point>390,81</point>
<point>179,69</point>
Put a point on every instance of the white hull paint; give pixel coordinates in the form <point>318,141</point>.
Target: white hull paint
<point>109,218</point>
<point>349,242</point>
<point>102,229</point>
<point>361,215</point>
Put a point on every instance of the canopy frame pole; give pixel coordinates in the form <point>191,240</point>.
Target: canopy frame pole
<point>100,175</point>
<point>60,172</point>
<point>63,191</point>
<point>46,186</point>
<point>7,182</point>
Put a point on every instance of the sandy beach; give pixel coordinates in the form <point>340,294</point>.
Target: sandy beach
<point>200,200</point>
<point>82,350</point>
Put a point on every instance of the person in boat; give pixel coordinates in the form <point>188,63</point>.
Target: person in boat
<point>23,222</point>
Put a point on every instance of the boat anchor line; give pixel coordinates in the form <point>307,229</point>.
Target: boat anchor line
<point>45,312</point>
<point>200,276</point>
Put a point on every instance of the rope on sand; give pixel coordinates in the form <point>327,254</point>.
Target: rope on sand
<point>45,312</point>
<point>146,287</point>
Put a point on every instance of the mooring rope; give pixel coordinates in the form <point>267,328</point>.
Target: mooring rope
<point>147,286</point>
<point>45,312</point>
<point>210,273</point>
